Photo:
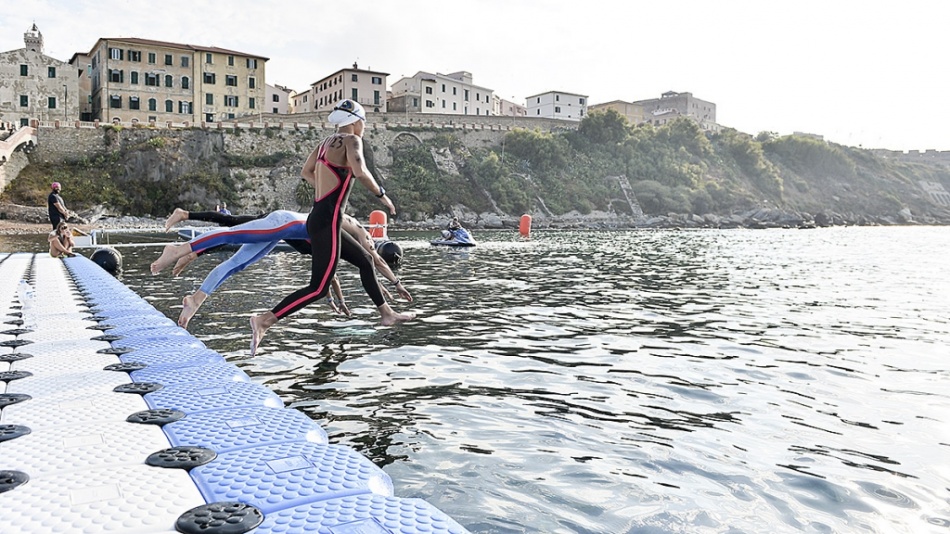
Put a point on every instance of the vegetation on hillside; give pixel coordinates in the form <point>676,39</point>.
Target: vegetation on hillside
<point>673,168</point>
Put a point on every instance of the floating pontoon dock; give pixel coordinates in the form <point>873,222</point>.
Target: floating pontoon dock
<point>114,419</point>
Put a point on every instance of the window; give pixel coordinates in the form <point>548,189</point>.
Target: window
<point>430,104</point>
<point>152,104</point>
<point>377,80</point>
<point>115,76</point>
<point>135,55</point>
<point>115,53</point>
<point>185,82</point>
<point>580,101</point>
<point>230,61</point>
<point>275,98</point>
<point>185,60</point>
<point>209,117</point>
<point>354,94</point>
<point>51,102</point>
<point>208,58</point>
<point>209,78</point>
<point>428,90</point>
<point>230,81</point>
<point>151,58</point>
<point>251,103</point>
<point>274,110</point>
<point>443,87</point>
<point>375,98</point>
<point>134,102</point>
<point>151,79</point>
<point>169,106</point>
<point>557,98</point>
<point>251,83</point>
<point>443,104</point>
<point>168,59</point>
<point>454,106</point>
<point>24,101</point>
<point>354,77</point>
<point>230,101</point>
<point>134,78</point>
<point>24,70</point>
<point>115,101</point>
<point>466,95</point>
<point>251,63</point>
<point>557,109</point>
<point>209,99</point>
<point>184,107</point>
<point>51,72</point>
<point>169,80</point>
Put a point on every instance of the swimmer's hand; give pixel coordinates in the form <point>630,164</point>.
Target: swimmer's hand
<point>339,306</point>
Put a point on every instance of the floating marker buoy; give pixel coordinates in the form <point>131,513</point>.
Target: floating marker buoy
<point>377,224</point>
<point>525,228</point>
<point>391,252</point>
<point>108,258</point>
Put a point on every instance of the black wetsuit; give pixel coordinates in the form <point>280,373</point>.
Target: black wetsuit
<point>326,238</point>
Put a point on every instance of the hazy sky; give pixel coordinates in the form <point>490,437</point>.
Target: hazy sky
<point>861,73</point>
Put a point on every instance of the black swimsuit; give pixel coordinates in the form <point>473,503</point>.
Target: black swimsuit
<point>324,228</point>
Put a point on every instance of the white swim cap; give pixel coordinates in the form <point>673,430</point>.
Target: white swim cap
<point>347,112</point>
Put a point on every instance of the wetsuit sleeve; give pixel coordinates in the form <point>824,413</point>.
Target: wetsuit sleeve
<point>220,218</point>
<point>300,245</point>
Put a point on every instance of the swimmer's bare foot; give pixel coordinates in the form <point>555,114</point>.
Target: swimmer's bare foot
<point>176,217</point>
<point>189,306</point>
<point>169,254</point>
<point>390,317</point>
<point>259,325</point>
<point>182,263</point>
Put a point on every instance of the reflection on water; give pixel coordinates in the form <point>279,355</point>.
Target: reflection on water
<point>735,381</point>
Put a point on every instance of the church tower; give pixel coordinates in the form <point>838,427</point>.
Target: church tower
<point>34,39</point>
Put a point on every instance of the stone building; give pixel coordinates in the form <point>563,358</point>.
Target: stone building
<point>368,87</point>
<point>135,79</point>
<point>444,94</point>
<point>632,112</point>
<point>557,105</point>
<point>672,105</point>
<point>36,86</point>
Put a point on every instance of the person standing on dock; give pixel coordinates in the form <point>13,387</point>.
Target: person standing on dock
<point>330,169</point>
<point>57,208</point>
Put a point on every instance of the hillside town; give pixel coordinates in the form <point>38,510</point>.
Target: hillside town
<point>139,80</point>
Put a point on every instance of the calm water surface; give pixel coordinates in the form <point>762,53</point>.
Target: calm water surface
<point>641,381</point>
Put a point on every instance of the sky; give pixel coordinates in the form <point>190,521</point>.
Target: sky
<point>868,73</point>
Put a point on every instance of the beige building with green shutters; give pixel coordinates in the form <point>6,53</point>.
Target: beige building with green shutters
<point>141,80</point>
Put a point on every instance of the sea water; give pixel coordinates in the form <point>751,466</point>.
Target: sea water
<point>627,381</point>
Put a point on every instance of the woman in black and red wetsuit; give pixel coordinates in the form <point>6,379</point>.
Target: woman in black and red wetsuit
<point>330,169</point>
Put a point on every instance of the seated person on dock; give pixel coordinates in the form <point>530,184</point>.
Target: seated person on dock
<point>61,241</point>
<point>260,236</point>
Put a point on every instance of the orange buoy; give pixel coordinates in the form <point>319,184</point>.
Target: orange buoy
<point>525,228</point>
<point>377,224</point>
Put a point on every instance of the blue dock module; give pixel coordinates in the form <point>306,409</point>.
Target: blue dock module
<point>114,419</point>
